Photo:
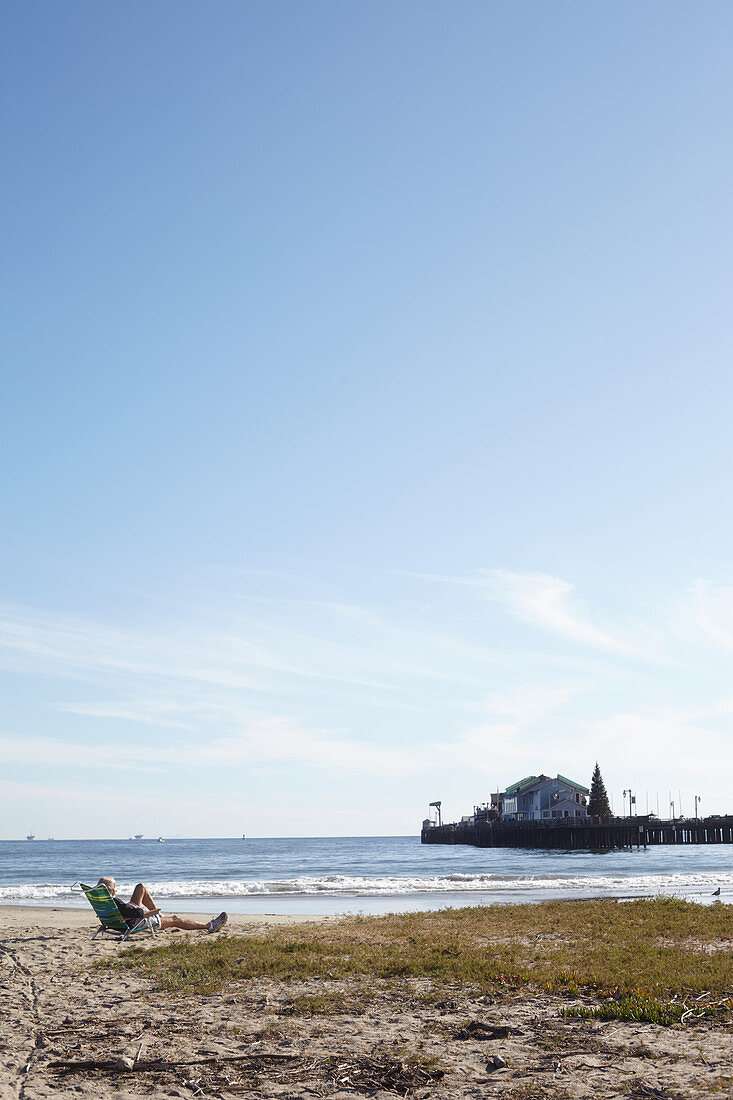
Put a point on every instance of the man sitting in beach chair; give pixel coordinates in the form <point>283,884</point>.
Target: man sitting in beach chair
<point>141,907</point>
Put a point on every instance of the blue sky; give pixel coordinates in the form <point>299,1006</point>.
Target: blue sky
<point>365,411</point>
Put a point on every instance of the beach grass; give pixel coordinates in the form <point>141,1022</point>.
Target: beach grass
<point>646,951</point>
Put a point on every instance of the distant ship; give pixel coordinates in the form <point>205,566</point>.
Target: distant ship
<point>30,837</point>
<point>161,840</point>
<point>138,836</point>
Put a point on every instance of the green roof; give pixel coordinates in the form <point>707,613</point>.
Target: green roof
<point>530,780</point>
<point>572,783</point>
<point>522,784</point>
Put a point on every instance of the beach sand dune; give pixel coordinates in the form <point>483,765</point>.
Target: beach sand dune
<point>406,1039</point>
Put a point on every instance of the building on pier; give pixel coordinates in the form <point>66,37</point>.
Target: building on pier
<point>543,798</point>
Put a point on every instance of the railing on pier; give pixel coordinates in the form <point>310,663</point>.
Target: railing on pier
<point>571,834</point>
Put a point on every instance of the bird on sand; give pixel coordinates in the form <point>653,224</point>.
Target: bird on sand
<point>716,893</point>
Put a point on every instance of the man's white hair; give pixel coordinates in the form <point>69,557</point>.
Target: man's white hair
<point>110,883</point>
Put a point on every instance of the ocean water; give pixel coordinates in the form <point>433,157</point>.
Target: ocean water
<point>307,875</point>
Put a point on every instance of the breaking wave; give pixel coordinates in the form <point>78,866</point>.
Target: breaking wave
<point>393,886</point>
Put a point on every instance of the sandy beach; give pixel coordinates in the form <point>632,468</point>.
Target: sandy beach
<point>408,1039</point>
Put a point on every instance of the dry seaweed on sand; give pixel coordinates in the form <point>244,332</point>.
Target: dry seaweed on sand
<point>361,1073</point>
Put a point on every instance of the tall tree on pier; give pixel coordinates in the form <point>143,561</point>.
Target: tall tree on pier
<point>598,805</point>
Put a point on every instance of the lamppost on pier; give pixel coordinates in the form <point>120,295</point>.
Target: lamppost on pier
<point>697,799</point>
<point>632,801</point>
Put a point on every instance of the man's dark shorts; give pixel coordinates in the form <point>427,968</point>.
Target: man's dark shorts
<point>131,914</point>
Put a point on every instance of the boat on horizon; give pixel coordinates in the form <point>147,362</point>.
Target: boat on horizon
<point>30,837</point>
<point>138,836</point>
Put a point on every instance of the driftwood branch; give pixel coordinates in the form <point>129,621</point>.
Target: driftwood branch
<point>126,1065</point>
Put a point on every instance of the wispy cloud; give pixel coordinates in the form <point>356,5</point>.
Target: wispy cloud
<point>514,736</point>
<point>273,741</point>
<point>148,712</point>
<point>86,796</point>
<point>288,684</point>
<point>541,600</point>
<point>531,703</point>
<point>710,609</point>
<point>661,740</point>
<point>545,601</point>
<point>79,647</point>
<point>212,657</point>
<point>225,675</point>
<point>243,655</point>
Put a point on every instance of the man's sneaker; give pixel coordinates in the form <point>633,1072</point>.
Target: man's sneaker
<point>218,922</point>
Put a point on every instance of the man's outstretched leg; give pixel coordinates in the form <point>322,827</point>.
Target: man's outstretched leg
<point>142,896</point>
<point>170,920</point>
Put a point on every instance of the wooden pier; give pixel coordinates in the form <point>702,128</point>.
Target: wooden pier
<point>572,834</point>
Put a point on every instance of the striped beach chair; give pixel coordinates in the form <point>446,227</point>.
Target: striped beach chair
<point>111,920</point>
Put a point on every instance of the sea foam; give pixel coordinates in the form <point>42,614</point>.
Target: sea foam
<point>395,886</point>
